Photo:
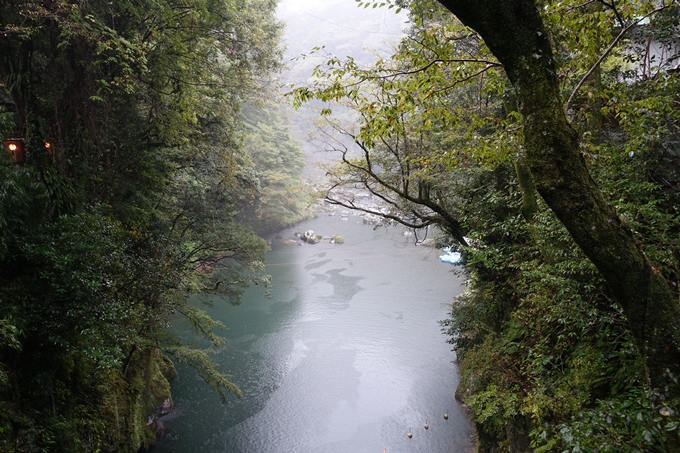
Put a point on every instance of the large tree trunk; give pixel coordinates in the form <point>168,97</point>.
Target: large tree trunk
<point>514,32</point>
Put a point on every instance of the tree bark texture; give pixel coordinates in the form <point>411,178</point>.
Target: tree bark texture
<point>514,32</point>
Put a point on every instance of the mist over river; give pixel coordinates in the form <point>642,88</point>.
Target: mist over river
<point>346,356</point>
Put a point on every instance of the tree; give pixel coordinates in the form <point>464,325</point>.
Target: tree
<point>278,162</point>
<point>540,337</point>
<point>514,32</point>
<point>130,209</point>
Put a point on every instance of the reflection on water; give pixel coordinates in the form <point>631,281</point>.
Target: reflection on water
<point>346,356</point>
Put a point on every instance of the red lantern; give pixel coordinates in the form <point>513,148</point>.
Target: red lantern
<point>17,149</point>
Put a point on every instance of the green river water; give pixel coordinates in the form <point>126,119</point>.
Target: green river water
<point>347,356</point>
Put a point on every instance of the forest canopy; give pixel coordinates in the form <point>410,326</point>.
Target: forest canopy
<point>131,199</point>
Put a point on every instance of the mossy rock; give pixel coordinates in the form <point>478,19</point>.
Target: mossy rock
<point>309,237</point>
<point>167,368</point>
<point>337,239</point>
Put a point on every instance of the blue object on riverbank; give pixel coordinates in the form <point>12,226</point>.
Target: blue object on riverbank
<point>450,257</point>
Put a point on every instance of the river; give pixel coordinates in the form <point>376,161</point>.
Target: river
<point>347,355</point>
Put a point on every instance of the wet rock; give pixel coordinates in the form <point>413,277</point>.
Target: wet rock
<point>309,237</point>
<point>164,408</point>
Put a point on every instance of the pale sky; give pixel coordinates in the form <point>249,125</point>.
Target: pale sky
<point>341,26</point>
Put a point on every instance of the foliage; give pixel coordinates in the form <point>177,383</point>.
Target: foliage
<point>637,420</point>
<point>278,160</point>
<point>200,360</point>
<point>132,207</point>
<point>548,359</point>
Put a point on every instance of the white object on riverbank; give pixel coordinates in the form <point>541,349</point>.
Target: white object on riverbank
<point>450,257</point>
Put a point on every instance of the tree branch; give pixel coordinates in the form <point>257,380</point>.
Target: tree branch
<point>606,52</point>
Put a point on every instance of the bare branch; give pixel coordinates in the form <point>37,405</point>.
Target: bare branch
<point>606,53</point>
<point>612,6</point>
<point>465,79</point>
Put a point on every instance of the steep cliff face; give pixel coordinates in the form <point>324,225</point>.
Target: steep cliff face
<point>132,405</point>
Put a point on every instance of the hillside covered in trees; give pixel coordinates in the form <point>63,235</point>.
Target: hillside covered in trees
<point>138,170</point>
<point>542,139</point>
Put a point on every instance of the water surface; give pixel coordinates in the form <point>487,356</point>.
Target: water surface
<point>347,356</point>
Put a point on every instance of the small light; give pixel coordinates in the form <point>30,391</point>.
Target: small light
<point>17,149</point>
<point>47,145</point>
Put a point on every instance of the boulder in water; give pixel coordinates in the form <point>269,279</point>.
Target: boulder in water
<point>309,237</point>
<point>165,408</point>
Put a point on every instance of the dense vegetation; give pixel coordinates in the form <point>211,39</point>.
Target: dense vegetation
<point>137,202</point>
<point>544,143</point>
<point>282,199</point>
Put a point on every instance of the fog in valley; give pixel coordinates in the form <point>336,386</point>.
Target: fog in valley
<point>315,31</point>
